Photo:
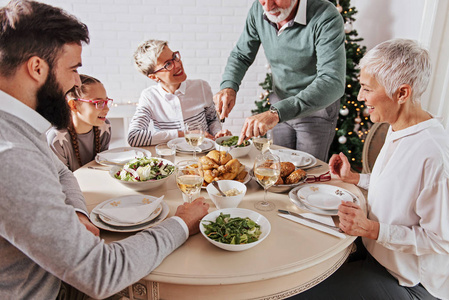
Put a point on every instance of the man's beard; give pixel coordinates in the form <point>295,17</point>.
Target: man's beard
<point>284,13</point>
<point>51,103</point>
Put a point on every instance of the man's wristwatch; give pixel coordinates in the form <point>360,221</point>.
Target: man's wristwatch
<point>274,110</point>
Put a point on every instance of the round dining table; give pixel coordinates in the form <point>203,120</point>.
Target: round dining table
<point>292,259</point>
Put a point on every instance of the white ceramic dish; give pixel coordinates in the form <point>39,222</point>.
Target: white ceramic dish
<point>229,201</point>
<point>299,158</point>
<point>183,147</point>
<point>120,155</point>
<point>128,201</point>
<point>141,185</point>
<point>323,196</point>
<point>235,151</point>
<point>100,224</point>
<point>265,227</point>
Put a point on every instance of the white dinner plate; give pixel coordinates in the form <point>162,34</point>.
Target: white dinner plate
<point>245,180</point>
<point>129,201</point>
<point>100,224</point>
<point>302,205</point>
<point>299,158</point>
<point>183,147</point>
<point>323,196</point>
<point>120,155</point>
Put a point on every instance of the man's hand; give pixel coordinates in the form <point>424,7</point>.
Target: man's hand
<point>353,221</point>
<point>223,132</point>
<point>192,213</point>
<point>224,101</point>
<point>86,222</point>
<point>340,166</point>
<point>258,125</point>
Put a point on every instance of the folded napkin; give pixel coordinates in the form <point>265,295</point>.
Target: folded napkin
<point>118,157</point>
<point>130,214</point>
<point>323,219</point>
<point>294,157</point>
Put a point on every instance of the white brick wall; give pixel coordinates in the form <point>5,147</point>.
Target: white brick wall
<point>204,31</point>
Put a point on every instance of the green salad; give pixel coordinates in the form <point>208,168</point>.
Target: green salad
<point>232,231</point>
<point>143,169</point>
<point>233,142</point>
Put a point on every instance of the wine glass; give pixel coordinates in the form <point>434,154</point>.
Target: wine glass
<point>263,143</point>
<point>194,135</point>
<point>267,168</point>
<point>189,177</point>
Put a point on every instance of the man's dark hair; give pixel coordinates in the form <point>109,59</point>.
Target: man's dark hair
<point>29,28</point>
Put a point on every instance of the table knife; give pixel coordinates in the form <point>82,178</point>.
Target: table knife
<point>308,219</point>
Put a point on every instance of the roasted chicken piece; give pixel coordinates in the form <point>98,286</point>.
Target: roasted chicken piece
<point>295,176</point>
<point>230,170</point>
<point>219,157</point>
<point>208,163</point>
<point>242,175</point>
<point>286,169</point>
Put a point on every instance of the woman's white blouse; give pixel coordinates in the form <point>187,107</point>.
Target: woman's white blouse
<point>409,196</point>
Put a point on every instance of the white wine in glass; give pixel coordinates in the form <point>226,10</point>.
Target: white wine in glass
<point>267,168</point>
<point>189,177</point>
<point>262,143</point>
<point>194,135</point>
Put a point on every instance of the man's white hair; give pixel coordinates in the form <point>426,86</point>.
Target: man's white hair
<point>146,55</point>
<point>396,62</point>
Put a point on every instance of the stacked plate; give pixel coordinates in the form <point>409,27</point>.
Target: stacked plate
<point>154,218</point>
<point>183,147</point>
<point>120,155</point>
<point>322,199</point>
<point>299,158</point>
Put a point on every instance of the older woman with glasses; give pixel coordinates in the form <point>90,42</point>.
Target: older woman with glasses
<point>165,108</point>
<point>406,232</point>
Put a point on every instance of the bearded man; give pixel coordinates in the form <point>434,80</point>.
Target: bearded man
<point>303,41</point>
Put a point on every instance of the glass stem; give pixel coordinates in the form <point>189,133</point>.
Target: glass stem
<point>265,196</point>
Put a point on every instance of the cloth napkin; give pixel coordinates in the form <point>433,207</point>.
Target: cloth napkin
<point>298,160</point>
<point>323,219</point>
<point>119,157</point>
<point>130,214</point>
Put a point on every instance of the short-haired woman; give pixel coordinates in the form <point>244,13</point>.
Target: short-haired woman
<point>406,232</point>
<point>165,108</point>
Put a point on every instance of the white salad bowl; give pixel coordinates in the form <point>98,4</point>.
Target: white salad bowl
<point>229,201</point>
<point>234,151</point>
<point>141,185</point>
<point>265,227</point>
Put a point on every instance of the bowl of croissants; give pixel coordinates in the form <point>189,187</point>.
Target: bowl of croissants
<point>220,165</point>
<point>289,178</point>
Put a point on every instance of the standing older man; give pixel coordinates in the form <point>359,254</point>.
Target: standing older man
<point>304,44</point>
<point>42,240</point>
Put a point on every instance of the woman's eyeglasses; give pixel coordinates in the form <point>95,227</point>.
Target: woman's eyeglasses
<point>99,104</point>
<point>323,177</point>
<point>169,64</point>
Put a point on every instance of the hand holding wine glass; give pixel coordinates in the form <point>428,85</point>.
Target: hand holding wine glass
<point>194,135</point>
<point>189,177</point>
<point>267,168</point>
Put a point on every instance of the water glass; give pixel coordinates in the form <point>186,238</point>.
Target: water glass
<point>166,152</point>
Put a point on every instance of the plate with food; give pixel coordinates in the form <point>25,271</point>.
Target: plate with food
<point>119,156</point>
<point>220,165</point>
<point>298,158</point>
<point>235,229</point>
<point>143,173</point>
<point>289,178</point>
<point>183,147</point>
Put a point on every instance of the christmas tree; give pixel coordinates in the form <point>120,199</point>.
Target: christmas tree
<point>353,123</point>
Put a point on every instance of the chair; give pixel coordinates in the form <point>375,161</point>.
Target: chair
<point>373,143</point>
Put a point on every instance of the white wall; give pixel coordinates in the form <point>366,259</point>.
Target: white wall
<point>204,31</point>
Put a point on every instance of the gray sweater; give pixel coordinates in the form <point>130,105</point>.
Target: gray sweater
<point>41,239</point>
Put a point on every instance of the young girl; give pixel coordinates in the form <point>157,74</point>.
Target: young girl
<point>89,131</point>
<point>164,108</point>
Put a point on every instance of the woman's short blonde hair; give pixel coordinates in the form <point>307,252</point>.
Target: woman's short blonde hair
<point>146,55</point>
<point>396,62</point>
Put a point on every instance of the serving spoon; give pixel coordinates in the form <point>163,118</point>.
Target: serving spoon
<point>215,184</point>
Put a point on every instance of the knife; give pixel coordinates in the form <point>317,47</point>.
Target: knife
<point>308,219</point>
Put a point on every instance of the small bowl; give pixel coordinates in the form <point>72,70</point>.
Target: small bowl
<point>229,201</point>
<point>235,152</point>
<point>265,226</point>
<point>141,185</point>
